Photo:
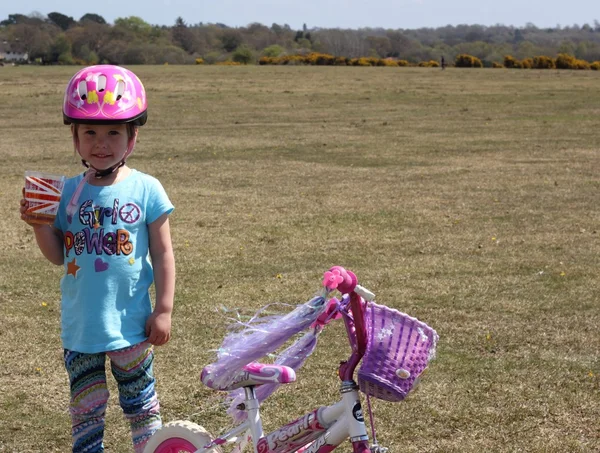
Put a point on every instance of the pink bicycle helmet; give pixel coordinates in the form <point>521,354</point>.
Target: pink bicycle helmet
<point>105,94</point>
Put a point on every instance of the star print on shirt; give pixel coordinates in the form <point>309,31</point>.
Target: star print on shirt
<point>72,268</point>
<point>132,260</point>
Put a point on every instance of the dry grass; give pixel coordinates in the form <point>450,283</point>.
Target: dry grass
<point>467,198</point>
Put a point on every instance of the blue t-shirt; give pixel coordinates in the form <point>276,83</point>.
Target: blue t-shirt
<point>108,273</point>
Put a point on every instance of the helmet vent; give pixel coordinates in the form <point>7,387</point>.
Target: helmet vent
<point>101,83</point>
<point>82,90</point>
<point>120,89</point>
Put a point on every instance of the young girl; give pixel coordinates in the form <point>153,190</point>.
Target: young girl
<point>112,236</point>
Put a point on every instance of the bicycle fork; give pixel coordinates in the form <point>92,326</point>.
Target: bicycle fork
<point>348,422</point>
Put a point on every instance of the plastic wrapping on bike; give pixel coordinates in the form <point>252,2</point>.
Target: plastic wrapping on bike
<point>293,357</point>
<point>260,337</point>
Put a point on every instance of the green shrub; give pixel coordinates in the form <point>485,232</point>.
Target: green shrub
<point>66,58</point>
<point>212,57</point>
<point>273,51</point>
<point>595,66</point>
<point>243,54</point>
<point>93,58</point>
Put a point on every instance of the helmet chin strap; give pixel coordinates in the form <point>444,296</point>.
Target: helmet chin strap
<point>99,174</point>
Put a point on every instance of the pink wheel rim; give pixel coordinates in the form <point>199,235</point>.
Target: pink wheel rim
<point>176,445</point>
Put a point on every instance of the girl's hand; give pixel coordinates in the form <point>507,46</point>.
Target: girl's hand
<point>23,209</point>
<point>158,328</point>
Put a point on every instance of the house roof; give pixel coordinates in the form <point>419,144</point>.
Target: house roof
<point>6,47</point>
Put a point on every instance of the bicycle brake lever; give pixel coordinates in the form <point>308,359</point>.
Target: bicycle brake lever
<point>378,449</point>
<point>364,293</point>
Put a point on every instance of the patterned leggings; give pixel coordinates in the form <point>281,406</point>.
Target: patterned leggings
<point>132,369</point>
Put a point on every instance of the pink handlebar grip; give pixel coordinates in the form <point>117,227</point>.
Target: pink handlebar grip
<point>341,279</point>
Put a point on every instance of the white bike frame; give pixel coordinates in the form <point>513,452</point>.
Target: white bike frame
<point>321,430</point>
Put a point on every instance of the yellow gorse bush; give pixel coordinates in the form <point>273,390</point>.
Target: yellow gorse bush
<point>362,61</point>
<point>562,61</point>
<point>467,61</point>
<point>566,61</point>
<point>510,62</point>
<point>322,59</point>
<point>543,62</point>
<point>429,64</point>
<point>527,63</point>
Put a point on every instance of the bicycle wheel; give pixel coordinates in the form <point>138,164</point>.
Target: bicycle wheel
<point>179,437</point>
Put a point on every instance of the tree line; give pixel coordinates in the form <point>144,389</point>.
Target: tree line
<point>61,39</point>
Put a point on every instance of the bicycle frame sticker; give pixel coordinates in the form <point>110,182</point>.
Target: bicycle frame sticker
<point>320,446</point>
<point>292,436</point>
<point>357,412</point>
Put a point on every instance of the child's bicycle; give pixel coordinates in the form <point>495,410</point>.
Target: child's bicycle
<point>394,348</point>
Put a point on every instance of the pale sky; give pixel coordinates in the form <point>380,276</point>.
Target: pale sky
<point>408,14</point>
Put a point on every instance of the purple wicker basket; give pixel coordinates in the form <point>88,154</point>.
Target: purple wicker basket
<point>398,351</point>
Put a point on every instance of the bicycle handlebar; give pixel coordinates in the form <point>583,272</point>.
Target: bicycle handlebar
<point>345,282</point>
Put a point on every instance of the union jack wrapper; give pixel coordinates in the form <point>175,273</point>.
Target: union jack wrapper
<point>42,193</point>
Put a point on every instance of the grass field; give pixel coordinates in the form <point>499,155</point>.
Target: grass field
<point>467,198</point>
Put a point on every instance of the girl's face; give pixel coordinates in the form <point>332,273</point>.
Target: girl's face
<point>101,145</point>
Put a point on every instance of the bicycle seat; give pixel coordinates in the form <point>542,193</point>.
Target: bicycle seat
<point>252,374</point>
